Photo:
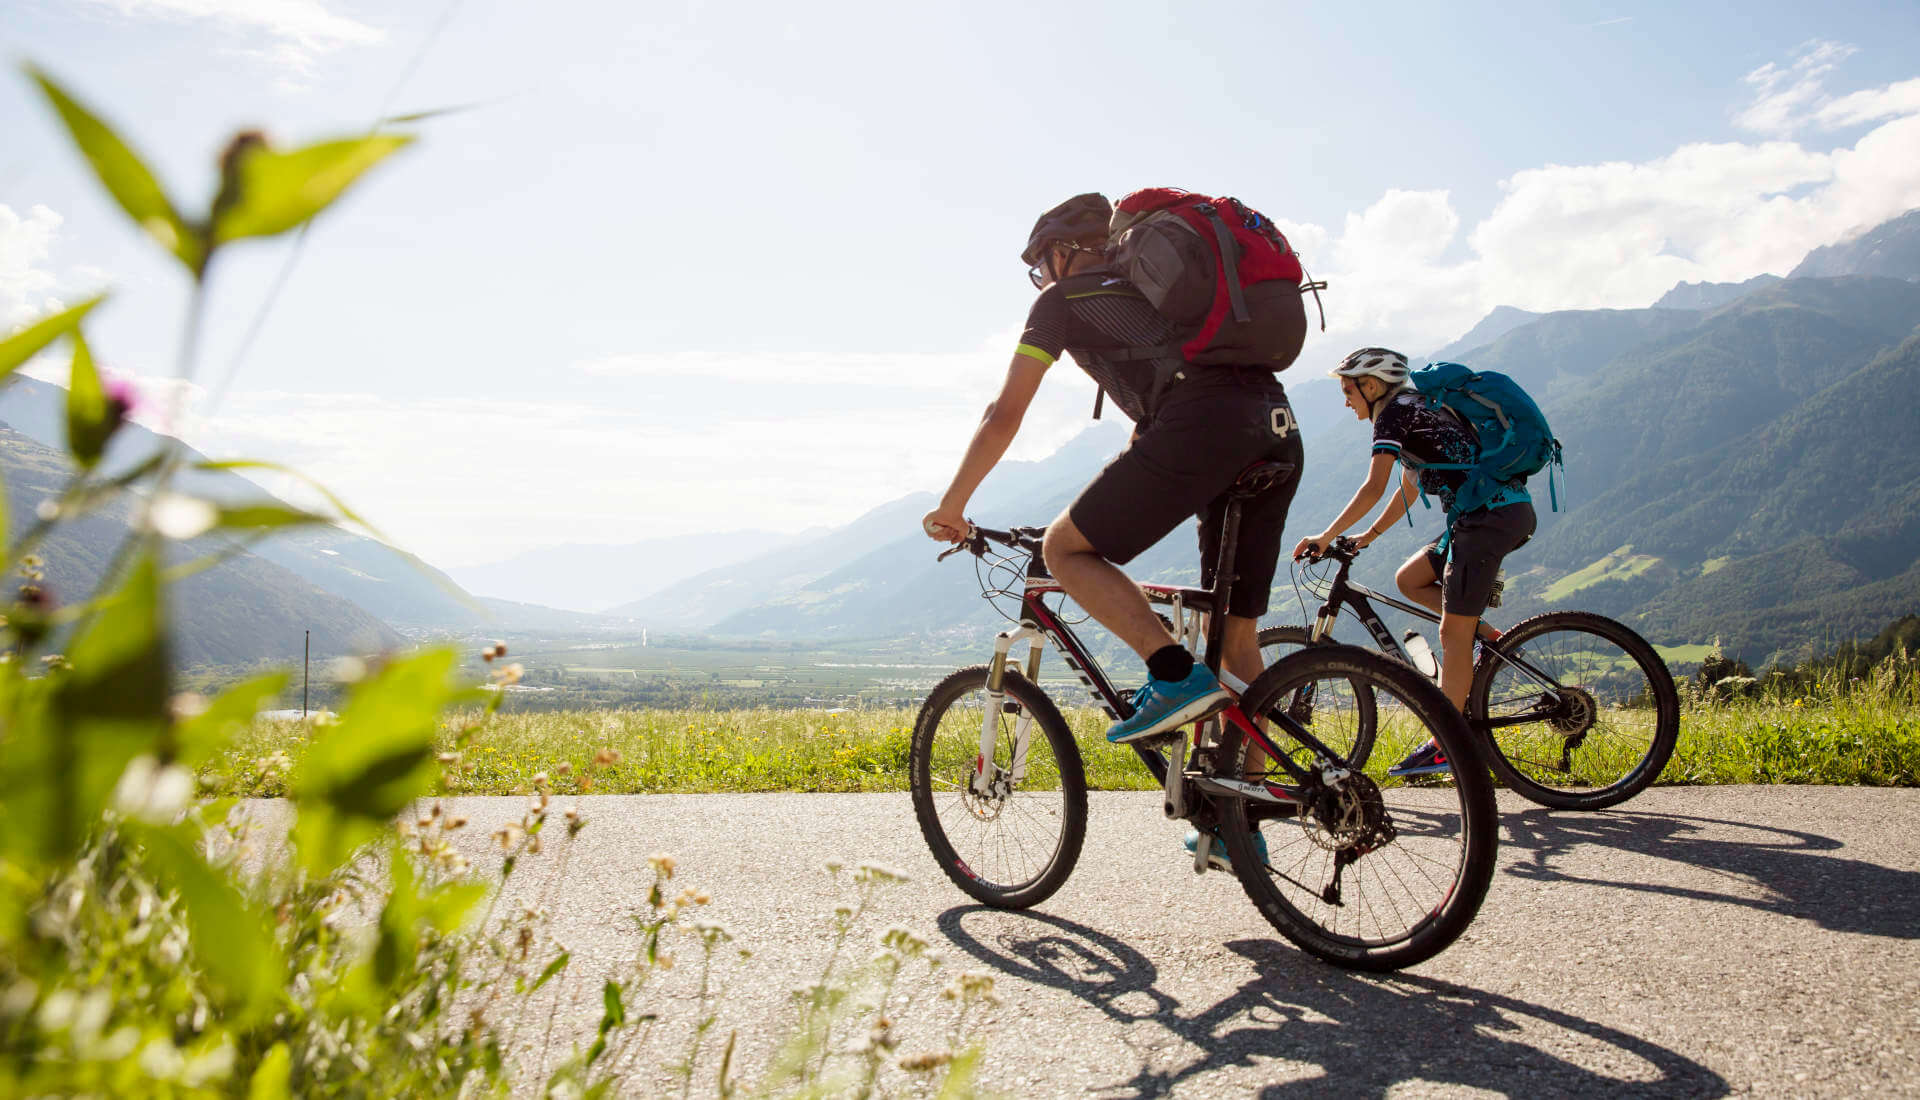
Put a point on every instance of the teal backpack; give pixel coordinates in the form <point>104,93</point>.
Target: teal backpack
<point>1515,441</point>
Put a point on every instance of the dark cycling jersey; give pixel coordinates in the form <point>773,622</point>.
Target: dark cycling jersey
<point>1416,433</point>
<point>1084,313</point>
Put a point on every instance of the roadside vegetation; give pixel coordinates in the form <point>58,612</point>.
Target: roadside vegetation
<point>1841,721</point>
<point>157,942</point>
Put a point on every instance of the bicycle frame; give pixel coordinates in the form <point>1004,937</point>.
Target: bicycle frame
<point>1355,598</point>
<point>1192,620</point>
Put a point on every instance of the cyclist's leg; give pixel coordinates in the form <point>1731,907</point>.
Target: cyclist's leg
<point>1456,656</point>
<point>1419,578</point>
<point>1150,488</point>
<point>1099,586</point>
<point>1256,553</point>
<point>1481,541</point>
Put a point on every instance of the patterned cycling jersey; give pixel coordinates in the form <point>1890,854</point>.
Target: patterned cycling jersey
<point>1085,313</point>
<point>1416,434</point>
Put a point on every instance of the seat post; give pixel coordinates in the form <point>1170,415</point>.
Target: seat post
<point>1222,581</point>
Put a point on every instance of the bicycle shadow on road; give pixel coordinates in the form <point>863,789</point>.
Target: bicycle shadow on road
<point>1798,872</point>
<point>1366,1033</point>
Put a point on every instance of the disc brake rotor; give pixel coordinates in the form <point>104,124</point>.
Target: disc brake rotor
<point>1349,817</point>
<point>1577,714</point>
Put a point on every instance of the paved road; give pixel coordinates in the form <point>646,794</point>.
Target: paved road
<point>1696,942</point>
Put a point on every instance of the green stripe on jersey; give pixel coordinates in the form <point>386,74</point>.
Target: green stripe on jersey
<point>1037,353</point>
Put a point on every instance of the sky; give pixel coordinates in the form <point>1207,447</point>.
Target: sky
<point>680,267</point>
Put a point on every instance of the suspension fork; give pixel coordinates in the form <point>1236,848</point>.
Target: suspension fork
<point>982,783</point>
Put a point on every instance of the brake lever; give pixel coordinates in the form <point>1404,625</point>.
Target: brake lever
<point>951,551</point>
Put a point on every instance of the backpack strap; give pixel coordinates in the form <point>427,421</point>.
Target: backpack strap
<point>1229,260</point>
<point>1099,398</point>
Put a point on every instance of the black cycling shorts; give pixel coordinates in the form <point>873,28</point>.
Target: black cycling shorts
<point>1481,540</point>
<point>1206,431</point>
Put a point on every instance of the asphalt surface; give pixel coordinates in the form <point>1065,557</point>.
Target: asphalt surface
<point>1694,942</point>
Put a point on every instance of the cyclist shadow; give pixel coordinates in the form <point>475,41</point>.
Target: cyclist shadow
<point>1365,1032</point>
<point>1797,872</point>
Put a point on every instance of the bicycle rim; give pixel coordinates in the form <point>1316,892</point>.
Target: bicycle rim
<point>1015,846</point>
<point>1374,873</point>
<point>1606,727</point>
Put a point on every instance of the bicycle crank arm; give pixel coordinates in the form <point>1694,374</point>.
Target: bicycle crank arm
<point>1175,802</point>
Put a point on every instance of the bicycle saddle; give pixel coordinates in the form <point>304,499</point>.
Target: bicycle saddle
<point>1259,477</point>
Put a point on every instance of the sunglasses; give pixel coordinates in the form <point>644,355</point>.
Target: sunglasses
<point>1038,273</point>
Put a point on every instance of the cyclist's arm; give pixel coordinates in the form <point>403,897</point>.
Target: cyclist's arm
<point>1397,506</point>
<point>998,426</point>
<point>1363,501</point>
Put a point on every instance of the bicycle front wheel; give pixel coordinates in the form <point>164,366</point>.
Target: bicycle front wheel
<point>1014,844</point>
<point>1352,734</point>
<point>1582,714</point>
<point>1370,874</point>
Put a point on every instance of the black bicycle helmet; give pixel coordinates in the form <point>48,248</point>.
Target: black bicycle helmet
<point>1077,219</point>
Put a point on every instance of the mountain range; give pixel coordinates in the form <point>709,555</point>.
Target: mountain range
<point>1736,473</point>
<point>1736,462</point>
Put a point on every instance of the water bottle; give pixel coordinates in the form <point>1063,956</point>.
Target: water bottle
<point>1421,654</point>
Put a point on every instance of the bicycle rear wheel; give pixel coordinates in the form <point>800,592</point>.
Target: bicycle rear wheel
<point>1373,873</point>
<point>1353,735</point>
<point>1013,847</point>
<point>1605,724</point>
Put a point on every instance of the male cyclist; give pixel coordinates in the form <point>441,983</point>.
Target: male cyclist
<point>1457,584</point>
<point>1195,429</point>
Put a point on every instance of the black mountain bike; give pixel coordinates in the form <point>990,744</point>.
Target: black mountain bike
<point>1577,711</point>
<point>1365,874</point>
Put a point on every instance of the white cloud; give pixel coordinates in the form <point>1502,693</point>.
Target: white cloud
<point>1792,98</point>
<point>27,287</point>
<point>1871,105</point>
<point>301,29</point>
<point>1619,234</point>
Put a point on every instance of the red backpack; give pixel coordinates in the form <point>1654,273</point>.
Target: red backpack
<point>1217,267</point>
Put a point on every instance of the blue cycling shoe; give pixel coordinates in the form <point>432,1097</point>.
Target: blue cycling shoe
<point>1164,705</point>
<point>1425,760</point>
<point>1217,851</point>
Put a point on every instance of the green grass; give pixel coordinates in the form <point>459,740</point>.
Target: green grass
<point>1622,564</point>
<point>1864,738</point>
<point>1684,654</point>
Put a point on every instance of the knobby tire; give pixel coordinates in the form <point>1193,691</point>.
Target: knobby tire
<point>1432,876</point>
<point>945,744</point>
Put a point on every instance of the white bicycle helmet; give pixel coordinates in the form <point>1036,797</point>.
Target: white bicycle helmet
<point>1388,366</point>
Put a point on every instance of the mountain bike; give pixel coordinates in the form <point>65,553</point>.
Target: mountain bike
<point>1576,711</point>
<point>1365,874</point>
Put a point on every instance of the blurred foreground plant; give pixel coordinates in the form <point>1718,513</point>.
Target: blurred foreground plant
<point>151,943</point>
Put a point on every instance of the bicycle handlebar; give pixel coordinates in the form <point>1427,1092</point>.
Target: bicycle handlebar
<point>1342,549</point>
<point>975,542</point>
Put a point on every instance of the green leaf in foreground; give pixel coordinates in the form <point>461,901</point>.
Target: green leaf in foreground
<point>198,738</point>
<point>271,192</point>
<point>125,176</point>
<point>272,1080</point>
<point>338,505</point>
<point>267,516</point>
<point>90,422</point>
<point>231,942</point>
<point>361,773</point>
<point>62,764</point>
<point>26,343</point>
